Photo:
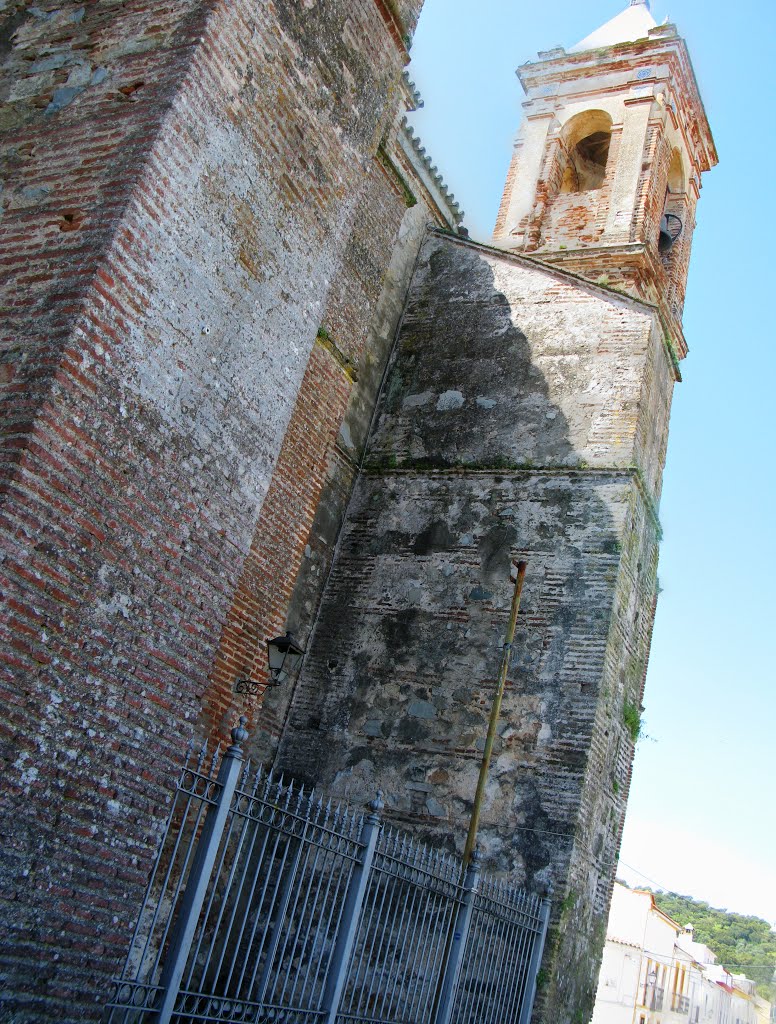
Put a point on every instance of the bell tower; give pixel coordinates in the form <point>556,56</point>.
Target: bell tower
<point>606,170</point>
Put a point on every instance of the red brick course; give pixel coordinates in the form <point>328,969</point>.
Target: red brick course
<point>173,236</point>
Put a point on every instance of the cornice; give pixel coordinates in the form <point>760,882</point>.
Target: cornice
<point>668,330</point>
<point>389,12</point>
<point>436,180</point>
<point>664,44</point>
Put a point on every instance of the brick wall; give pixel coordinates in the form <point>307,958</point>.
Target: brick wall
<point>261,601</point>
<point>524,415</point>
<point>190,193</point>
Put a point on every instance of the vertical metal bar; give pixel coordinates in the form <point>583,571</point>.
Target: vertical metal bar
<point>407,933</point>
<point>255,863</point>
<point>428,960</point>
<point>372,929</point>
<point>190,797</point>
<point>340,958</point>
<point>452,968</point>
<point>281,907</point>
<point>524,934</point>
<point>407,878</point>
<point>295,910</point>
<point>274,830</point>
<point>536,959</point>
<point>369,914</point>
<point>494,974</point>
<point>196,887</point>
<point>265,904</point>
<point>341,868</point>
<point>511,962</point>
<point>438,918</point>
<point>312,906</point>
<point>464,998</point>
<point>333,864</point>
<point>216,930</point>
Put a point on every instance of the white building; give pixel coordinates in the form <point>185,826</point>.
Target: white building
<point>646,978</point>
<point>653,972</point>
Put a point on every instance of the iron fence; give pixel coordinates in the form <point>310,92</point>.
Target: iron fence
<point>267,904</point>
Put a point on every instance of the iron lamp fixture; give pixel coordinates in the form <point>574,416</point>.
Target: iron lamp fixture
<point>284,656</point>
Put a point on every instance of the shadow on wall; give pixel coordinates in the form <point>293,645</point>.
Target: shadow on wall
<point>478,457</point>
<point>471,464</point>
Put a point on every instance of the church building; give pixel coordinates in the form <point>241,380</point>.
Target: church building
<point>255,378</point>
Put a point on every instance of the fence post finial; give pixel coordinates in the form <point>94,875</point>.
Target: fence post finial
<point>239,736</point>
<point>378,804</point>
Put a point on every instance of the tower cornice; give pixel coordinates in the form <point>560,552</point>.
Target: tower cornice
<point>632,58</point>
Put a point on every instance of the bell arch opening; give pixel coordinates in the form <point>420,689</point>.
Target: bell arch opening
<point>584,151</point>
<point>672,220</point>
<point>676,176</point>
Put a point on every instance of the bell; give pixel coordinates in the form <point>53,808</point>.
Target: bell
<point>670,230</point>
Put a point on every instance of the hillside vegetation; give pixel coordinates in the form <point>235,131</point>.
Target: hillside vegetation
<point>744,945</point>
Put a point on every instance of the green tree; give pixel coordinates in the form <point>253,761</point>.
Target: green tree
<point>742,944</point>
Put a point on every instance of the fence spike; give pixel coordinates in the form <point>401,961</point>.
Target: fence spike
<point>431,858</point>
<point>202,756</point>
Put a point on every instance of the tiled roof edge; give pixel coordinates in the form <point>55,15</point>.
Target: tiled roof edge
<point>433,171</point>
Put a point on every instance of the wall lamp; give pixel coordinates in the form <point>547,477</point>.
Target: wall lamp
<point>284,656</point>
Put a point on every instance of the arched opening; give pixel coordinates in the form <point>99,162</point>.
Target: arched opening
<point>585,142</point>
<point>672,220</point>
<point>676,182</point>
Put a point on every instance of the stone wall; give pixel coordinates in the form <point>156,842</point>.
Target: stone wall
<point>190,195</point>
<point>523,415</point>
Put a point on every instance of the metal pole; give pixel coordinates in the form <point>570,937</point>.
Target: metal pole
<point>529,993</point>
<point>495,711</point>
<point>452,970</point>
<point>346,936</point>
<point>199,878</point>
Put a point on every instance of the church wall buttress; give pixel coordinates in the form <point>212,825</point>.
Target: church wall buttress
<point>184,183</point>
<point>523,415</point>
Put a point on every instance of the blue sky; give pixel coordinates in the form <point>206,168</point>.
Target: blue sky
<point>702,814</point>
